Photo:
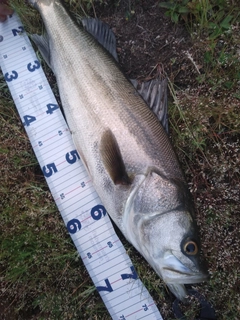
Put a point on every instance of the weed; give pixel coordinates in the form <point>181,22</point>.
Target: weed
<point>176,10</point>
<point>209,17</point>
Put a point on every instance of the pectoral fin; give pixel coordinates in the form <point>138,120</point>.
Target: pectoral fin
<point>42,42</point>
<point>112,159</point>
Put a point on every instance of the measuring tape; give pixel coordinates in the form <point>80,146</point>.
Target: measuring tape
<point>82,211</point>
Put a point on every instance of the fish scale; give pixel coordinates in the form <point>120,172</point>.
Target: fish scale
<point>82,211</point>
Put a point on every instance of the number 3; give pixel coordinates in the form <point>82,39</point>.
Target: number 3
<point>32,67</point>
<point>9,78</point>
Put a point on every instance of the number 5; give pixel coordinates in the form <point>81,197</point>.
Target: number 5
<point>49,169</point>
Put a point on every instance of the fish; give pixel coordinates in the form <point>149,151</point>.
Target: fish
<point>124,147</point>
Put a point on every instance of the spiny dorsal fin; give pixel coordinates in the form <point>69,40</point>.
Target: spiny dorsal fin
<point>102,33</point>
<point>112,158</point>
<point>154,93</point>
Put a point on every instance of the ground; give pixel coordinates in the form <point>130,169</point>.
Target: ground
<point>146,38</point>
<point>204,120</point>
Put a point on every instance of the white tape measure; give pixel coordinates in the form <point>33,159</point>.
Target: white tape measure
<point>85,217</point>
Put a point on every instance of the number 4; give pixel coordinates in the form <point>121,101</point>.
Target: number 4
<point>51,107</point>
<point>28,120</point>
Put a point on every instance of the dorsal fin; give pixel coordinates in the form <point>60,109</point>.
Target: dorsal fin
<point>102,33</point>
<point>154,93</point>
<point>112,158</point>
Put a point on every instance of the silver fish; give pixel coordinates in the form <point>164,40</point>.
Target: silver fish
<point>124,148</point>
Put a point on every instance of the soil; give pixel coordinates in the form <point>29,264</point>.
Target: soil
<point>147,40</point>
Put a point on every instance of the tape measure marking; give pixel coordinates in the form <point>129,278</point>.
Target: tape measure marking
<point>85,217</point>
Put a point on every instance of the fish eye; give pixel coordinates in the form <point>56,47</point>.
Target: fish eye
<point>190,248</point>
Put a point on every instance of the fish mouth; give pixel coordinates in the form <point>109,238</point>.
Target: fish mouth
<point>175,272</point>
<point>175,276</point>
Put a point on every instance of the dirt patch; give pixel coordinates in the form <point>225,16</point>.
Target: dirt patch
<point>146,38</point>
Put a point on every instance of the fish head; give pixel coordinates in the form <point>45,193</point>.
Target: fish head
<point>173,249</point>
<point>164,231</point>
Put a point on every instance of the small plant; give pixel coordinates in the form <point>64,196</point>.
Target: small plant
<point>213,23</point>
<point>176,10</point>
<point>217,28</point>
<point>204,16</point>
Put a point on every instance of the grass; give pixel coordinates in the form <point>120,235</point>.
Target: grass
<point>205,126</point>
<point>211,18</point>
<point>41,275</point>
